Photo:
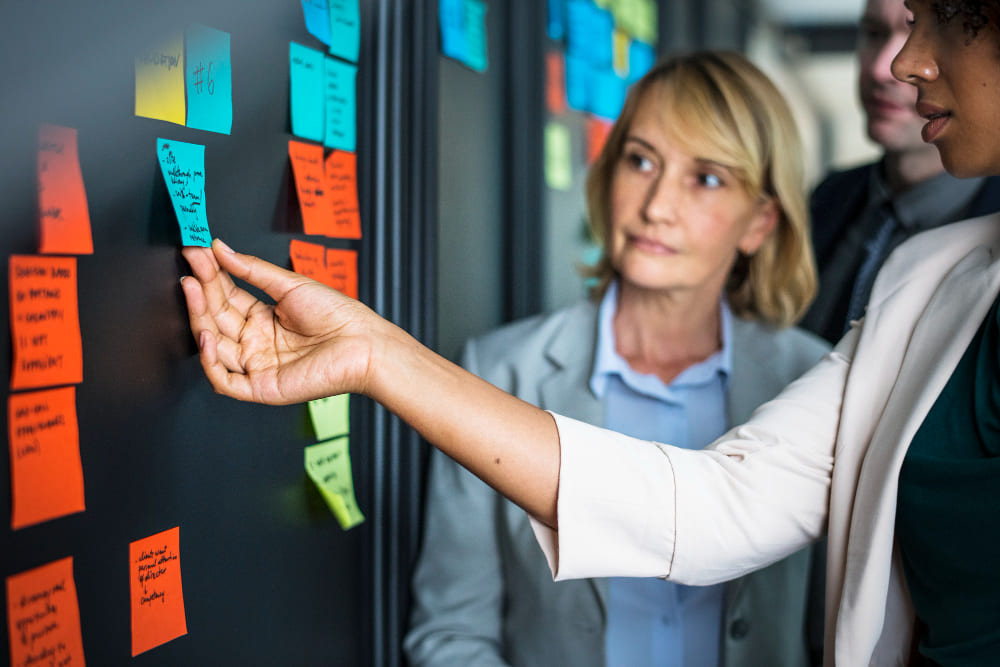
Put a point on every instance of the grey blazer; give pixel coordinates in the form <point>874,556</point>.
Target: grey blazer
<point>482,591</point>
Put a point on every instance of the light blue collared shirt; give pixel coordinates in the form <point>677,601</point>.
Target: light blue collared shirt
<point>650,621</point>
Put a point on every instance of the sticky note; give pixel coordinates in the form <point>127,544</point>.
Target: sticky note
<point>306,79</point>
<point>558,163</point>
<point>597,134</point>
<point>577,83</point>
<point>183,167</point>
<point>328,464</point>
<point>621,43</point>
<point>641,58</point>
<point>309,259</point>
<point>342,271</point>
<point>45,468</point>
<point>331,416</point>
<point>475,35</point>
<point>589,33</point>
<point>159,81</point>
<point>317,18</point>
<point>311,186</point>
<point>345,29</point>
<point>556,19</point>
<point>45,322</point>
<point>156,592</point>
<point>607,93</point>
<point>342,184</point>
<point>43,616</point>
<point>209,80</point>
<point>340,101</point>
<point>451,21</point>
<point>555,82</point>
<point>62,199</point>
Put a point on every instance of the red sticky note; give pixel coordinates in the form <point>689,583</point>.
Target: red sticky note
<point>309,259</point>
<point>598,130</point>
<point>555,82</point>
<point>310,183</point>
<point>45,469</point>
<point>342,269</point>
<point>43,616</point>
<point>157,596</point>
<point>62,200</point>
<point>45,322</point>
<point>342,183</point>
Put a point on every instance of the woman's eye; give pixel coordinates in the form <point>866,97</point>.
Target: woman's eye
<point>709,181</point>
<point>639,162</point>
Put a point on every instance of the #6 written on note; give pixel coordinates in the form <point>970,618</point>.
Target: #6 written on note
<point>45,322</point>
<point>328,464</point>
<point>43,616</point>
<point>183,167</point>
<point>159,81</point>
<point>62,199</point>
<point>45,469</point>
<point>156,592</point>
<point>209,80</point>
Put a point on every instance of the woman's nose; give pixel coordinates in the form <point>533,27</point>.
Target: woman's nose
<point>915,62</point>
<point>661,200</point>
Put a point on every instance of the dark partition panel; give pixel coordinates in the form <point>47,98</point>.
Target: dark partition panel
<point>269,577</point>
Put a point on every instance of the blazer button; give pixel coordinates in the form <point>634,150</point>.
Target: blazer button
<point>739,629</point>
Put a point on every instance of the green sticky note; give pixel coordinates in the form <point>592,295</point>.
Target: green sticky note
<point>328,464</point>
<point>558,162</point>
<point>331,417</point>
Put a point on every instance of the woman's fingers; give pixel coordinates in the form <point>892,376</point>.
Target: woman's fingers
<point>234,385</point>
<point>274,280</point>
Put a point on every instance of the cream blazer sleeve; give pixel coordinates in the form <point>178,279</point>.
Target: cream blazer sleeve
<point>756,495</point>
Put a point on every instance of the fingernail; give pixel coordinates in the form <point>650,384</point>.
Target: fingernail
<point>223,245</point>
<point>202,339</point>
<point>182,279</point>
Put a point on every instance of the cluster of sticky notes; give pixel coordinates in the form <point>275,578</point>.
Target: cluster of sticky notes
<point>463,32</point>
<point>186,79</point>
<point>328,463</point>
<point>327,190</point>
<point>157,597</point>
<point>334,267</point>
<point>336,23</point>
<point>183,168</point>
<point>43,616</point>
<point>323,98</point>
<point>64,219</point>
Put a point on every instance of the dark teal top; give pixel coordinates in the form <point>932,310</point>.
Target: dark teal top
<point>948,513</point>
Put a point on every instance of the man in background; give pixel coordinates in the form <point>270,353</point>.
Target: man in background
<point>860,215</point>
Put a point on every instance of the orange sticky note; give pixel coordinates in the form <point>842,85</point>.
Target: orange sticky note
<point>157,597</point>
<point>598,130</point>
<point>45,322</point>
<point>64,219</point>
<point>311,186</point>
<point>43,616</point>
<point>309,259</point>
<point>342,269</point>
<point>555,82</point>
<point>342,183</point>
<point>45,469</point>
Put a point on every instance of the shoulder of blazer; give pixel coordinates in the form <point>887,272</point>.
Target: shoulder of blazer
<point>988,198</point>
<point>834,203</point>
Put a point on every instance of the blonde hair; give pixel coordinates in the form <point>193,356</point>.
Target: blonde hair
<point>723,108</point>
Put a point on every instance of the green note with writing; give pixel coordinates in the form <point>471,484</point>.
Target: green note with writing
<point>328,464</point>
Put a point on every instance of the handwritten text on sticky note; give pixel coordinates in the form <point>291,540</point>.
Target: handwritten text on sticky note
<point>311,187</point>
<point>340,100</point>
<point>43,616</point>
<point>156,592</point>
<point>306,71</point>
<point>331,416</point>
<point>209,80</point>
<point>159,81</point>
<point>328,464</point>
<point>62,199</point>
<point>183,167</point>
<point>342,184</point>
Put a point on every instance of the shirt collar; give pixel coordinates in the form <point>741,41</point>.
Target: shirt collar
<point>608,363</point>
<point>929,203</point>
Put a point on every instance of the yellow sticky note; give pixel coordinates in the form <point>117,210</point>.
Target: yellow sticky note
<point>328,464</point>
<point>331,416</point>
<point>159,81</point>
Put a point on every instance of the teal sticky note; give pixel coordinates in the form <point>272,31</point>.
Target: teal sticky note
<point>451,20</point>
<point>475,35</point>
<point>345,29</point>
<point>607,94</point>
<point>209,80</point>
<point>183,167</point>
<point>317,16</point>
<point>331,416</point>
<point>578,73</point>
<point>339,98</point>
<point>306,79</point>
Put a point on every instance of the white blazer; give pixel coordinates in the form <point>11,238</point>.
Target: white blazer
<point>824,456</point>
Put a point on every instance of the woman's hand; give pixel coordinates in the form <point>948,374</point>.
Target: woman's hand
<point>313,342</point>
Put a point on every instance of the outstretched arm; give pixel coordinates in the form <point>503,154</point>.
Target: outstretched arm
<point>314,342</point>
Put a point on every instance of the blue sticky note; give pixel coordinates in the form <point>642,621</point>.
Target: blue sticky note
<point>641,58</point>
<point>340,99</point>
<point>475,35</point>
<point>607,93</point>
<point>345,29</point>
<point>556,23</point>
<point>577,83</point>
<point>590,33</point>
<point>451,18</point>
<point>183,167</point>
<point>317,16</point>
<point>209,80</point>
<point>306,79</point>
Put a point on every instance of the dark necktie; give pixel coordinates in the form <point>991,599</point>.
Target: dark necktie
<point>876,250</point>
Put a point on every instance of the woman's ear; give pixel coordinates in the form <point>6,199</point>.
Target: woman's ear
<point>763,222</point>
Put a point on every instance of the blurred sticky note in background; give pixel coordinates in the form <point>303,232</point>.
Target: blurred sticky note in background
<point>328,464</point>
<point>556,19</point>
<point>342,185</point>
<point>345,29</point>
<point>558,162</point>
<point>159,81</point>
<point>555,82</point>
<point>475,35</point>
<point>156,591</point>
<point>183,167</point>
<point>311,186</point>
<point>331,416</point>
<point>607,93</point>
<point>308,259</point>
<point>44,321</point>
<point>306,78</point>
<point>462,25</point>
<point>64,218</point>
<point>597,135</point>
<point>342,270</point>
<point>209,80</point>
<point>317,17</point>
<point>43,616</point>
<point>641,58</point>
<point>340,100</point>
<point>45,468</point>
<point>577,83</point>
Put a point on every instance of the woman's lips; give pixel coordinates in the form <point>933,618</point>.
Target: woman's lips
<point>651,246</point>
<point>937,118</point>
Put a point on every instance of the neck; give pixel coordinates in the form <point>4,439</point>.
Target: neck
<point>906,169</point>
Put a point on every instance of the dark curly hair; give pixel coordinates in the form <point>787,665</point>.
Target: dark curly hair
<point>975,14</point>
